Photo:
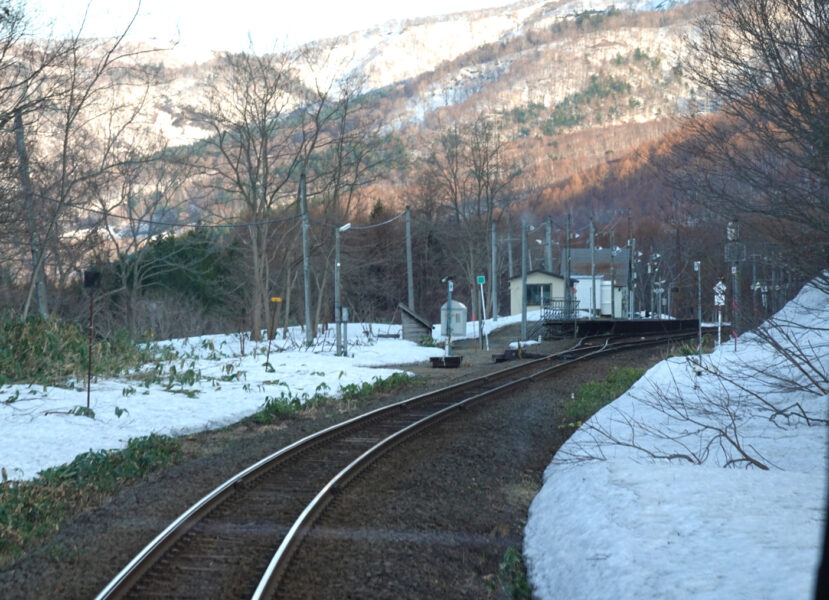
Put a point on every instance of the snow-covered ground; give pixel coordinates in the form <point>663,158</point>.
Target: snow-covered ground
<point>623,527</point>
<point>37,430</point>
<point>224,387</point>
<point>613,522</point>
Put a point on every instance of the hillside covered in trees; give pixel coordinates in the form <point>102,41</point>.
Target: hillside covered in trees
<point>181,184</point>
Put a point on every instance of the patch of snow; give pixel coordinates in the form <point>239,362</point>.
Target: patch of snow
<point>626,526</point>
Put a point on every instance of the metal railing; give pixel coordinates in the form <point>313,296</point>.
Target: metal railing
<point>559,309</point>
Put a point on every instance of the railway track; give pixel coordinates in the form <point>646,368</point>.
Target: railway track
<point>237,541</point>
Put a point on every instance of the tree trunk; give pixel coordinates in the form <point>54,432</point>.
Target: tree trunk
<point>38,286</point>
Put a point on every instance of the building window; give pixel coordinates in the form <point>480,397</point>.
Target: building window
<point>538,293</point>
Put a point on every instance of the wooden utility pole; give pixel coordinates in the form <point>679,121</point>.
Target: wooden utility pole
<point>306,267</point>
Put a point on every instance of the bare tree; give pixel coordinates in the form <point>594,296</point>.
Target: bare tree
<point>470,169</point>
<point>265,123</point>
<point>77,101</point>
<point>699,415</point>
<point>764,156</point>
<point>140,201</point>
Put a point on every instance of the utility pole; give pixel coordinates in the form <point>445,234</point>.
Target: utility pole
<point>523,280</point>
<point>548,241</point>
<point>568,288</point>
<point>337,304</point>
<point>510,269</point>
<point>337,310</point>
<point>698,269</point>
<point>449,323</point>
<point>734,253</point>
<point>306,267</point>
<point>612,275</point>
<point>592,269</point>
<point>631,278</point>
<point>493,277</point>
<point>409,271</point>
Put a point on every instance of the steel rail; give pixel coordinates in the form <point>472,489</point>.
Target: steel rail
<point>132,572</point>
<point>278,565</point>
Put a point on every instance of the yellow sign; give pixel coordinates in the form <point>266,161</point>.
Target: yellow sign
<point>276,299</point>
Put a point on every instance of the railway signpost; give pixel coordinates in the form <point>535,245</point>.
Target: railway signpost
<point>275,300</point>
<point>719,302</point>
<point>481,282</point>
<point>698,270</point>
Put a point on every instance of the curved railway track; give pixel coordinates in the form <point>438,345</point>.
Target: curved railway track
<point>237,541</point>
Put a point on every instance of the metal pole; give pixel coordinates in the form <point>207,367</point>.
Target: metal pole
<point>523,280</point>
<point>409,268</point>
<point>306,267</point>
<point>548,242</point>
<point>483,310</point>
<point>337,308</point>
<point>275,300</point>
<point>612,275</point>
<point>511,270</point>
<point>735,310</point>
<point>89,358</point>
<point>592,269</point>
<point>493,277</point>
<point>568,287</point>
<point>344,312</point>
<point>698,269</point>
<point>449,318</point>
<point>754,287</point>
<point>631,279</point>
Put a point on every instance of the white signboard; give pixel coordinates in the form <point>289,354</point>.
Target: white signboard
<point>719,294</point>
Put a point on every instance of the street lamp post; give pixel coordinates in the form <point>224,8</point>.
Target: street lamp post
<point>524,229</point>
<point>306,266</point>
<point>337,306</point>
<point>449,285</point>
<point>698,269</point>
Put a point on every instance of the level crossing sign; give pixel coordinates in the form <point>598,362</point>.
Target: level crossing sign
<point>719,294</point>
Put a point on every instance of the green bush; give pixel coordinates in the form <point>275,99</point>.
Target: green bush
<point>512,575</point>
<point>48,351</point>
<point>592,396</point>
<point>31,510</point>
<point>276,408</point>
<point>105,469</point>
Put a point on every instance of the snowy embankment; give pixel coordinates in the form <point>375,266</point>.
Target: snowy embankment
<point>210,383</point>
<point>618,519</point>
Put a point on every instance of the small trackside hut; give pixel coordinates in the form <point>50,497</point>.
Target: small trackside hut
<point>415,327</point>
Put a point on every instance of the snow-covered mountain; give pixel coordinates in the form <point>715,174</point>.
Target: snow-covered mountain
<point>526,54</point>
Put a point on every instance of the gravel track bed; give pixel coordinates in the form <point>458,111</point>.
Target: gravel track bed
<point>434,518</point>
<point>450,526</point>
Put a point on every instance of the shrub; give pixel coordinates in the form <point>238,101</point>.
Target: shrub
<point>31,510</point>
<point>48,351</point>
<point>512,575</point>
<point>592,396</point>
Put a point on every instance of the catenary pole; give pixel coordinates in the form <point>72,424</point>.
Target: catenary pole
<point>337,309</point>
<point>409,268</point>
<point>592,269</point>
<point>493,276</point>
<point>306,267</point>
<point>523,280</point>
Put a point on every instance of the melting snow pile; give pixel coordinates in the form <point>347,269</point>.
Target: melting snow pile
<point>702,481</point>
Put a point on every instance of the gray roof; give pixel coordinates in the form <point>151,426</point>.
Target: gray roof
<point>543,271</point>
<point>580,262</point>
